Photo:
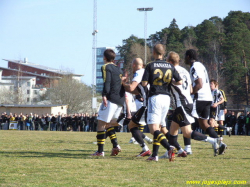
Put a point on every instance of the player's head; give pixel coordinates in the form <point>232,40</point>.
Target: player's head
<point>190,56</point>
<point>213,84</point>
<point>137,64</point>
<point>173,58</point>
<point>109,55</point>
<point>158,50</point>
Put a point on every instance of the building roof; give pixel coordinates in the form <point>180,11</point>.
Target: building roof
<point>29,64</point>
<point>29,106</point>
<point>36,74</point>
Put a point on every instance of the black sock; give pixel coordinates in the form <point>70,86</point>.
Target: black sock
<point>156,146</point>
<point>112,135</point>
<point>143,135</point>
<point>161,139</point>
<point>173,141</point>
<point>222,127</point>
<point>216,129</point>
<point>167,135</point>
<point>187,141</point>
<point>141,128</point>
<point>198,136</point>
<point>210,131</point>
<point>100,140</point>
<point>136,133</point>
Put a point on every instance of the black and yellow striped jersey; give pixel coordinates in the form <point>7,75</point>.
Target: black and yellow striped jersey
<point>113,88</point>
<point>159,75</point>
<point>224,104</point>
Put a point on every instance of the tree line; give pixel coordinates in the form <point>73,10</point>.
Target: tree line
<point>223,46</point>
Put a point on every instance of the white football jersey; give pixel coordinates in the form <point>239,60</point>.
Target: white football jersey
<point>197,71</point>
<point>138,75</point>
<point>217,95</point>
<point>181,93</point>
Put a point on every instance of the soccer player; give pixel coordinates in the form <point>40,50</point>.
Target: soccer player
<point>202,94</point>
<point>112,100</point>
<point>138,118</point>
<point>217,100</point>
<point>221,116</point>
<point>182,117</point>
<point>158,74</point>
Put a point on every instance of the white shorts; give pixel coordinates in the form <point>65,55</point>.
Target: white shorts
<point>112,111</point>
<point>138,104</point>
<point>158,106</point>
<point>221,115</point>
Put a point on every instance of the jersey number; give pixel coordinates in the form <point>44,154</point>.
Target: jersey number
<point>162,79</point>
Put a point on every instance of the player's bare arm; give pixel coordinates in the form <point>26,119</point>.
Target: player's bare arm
<point>198,85</point>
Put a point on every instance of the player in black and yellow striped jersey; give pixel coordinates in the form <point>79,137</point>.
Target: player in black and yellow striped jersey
<point>113,96</point>
<point>221,116</point>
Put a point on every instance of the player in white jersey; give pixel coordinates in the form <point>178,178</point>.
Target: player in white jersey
<point>138,118</point>
<point>217,100</point>
<point>202,94</point>
<point>182,117</point>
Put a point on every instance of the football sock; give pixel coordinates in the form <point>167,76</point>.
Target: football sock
<point>112,135</point>
<point>173,141</point>
<point>141,128</point>
<point>161,139</point>
<point>167,135</point>
<point>136,133</point>
<point>216,129</point>
<point>187,141</point>
<point>210,131</point>
<point>156,146</point>
<point>100,140</point>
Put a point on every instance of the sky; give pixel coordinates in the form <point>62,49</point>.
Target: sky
<point>58,33</point>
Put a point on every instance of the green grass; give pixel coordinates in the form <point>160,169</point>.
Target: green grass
<point>43,158</point>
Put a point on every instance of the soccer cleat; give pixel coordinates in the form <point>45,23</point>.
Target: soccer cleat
<point>115,151</point>
<point>183,154</point>
<point>165,156</point>
<point>98,154</point>
<point>149,140</point>
<point>222,148</point>
<point>152,158</point>
<point>171,155</point>
<point>144,153</point>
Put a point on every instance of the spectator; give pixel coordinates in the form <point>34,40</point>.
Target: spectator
<point>53,123</point>
<point>241,122</point>
<point>248,123</point>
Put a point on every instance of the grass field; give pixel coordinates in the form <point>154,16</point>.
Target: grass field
<point>43,158</point>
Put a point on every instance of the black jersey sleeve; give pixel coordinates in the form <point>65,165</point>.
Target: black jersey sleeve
<point>146,74</point>
<point>106,75</point>
<point>176,75</point>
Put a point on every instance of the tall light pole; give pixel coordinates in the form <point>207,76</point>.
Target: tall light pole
<point>145,27</point>
<point>94,55</point>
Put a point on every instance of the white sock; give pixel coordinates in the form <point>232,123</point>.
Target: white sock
<point>145,148</point>
<point>180,151</point>
<point>210,140</point>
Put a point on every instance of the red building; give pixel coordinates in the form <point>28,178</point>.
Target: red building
<point>45,76</point>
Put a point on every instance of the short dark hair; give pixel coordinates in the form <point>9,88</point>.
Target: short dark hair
<point>109,55</point>
<point>159,49</point>
<point>192,54</point>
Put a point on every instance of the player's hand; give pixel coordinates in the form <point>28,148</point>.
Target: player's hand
<point>105,101</point>
<point>214,105</point>
<point>129,116</point>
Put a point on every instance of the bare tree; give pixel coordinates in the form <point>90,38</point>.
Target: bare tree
<point>72,92</point>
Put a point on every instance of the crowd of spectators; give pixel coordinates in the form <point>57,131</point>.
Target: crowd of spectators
<point>84,122</point>
<point>59,122</point>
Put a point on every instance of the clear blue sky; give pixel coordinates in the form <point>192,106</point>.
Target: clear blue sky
<point>57,33</point>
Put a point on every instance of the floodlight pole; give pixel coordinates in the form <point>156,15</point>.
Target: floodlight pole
<point>145,28</point>
<point>95,31</point>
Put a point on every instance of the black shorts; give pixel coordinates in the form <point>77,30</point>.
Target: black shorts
<point>201,109</point>
<point>182,115</point>
<point>140,116</point>
<point>214,113</point>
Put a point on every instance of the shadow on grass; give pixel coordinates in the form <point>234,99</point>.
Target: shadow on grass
<point>36,154</point>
